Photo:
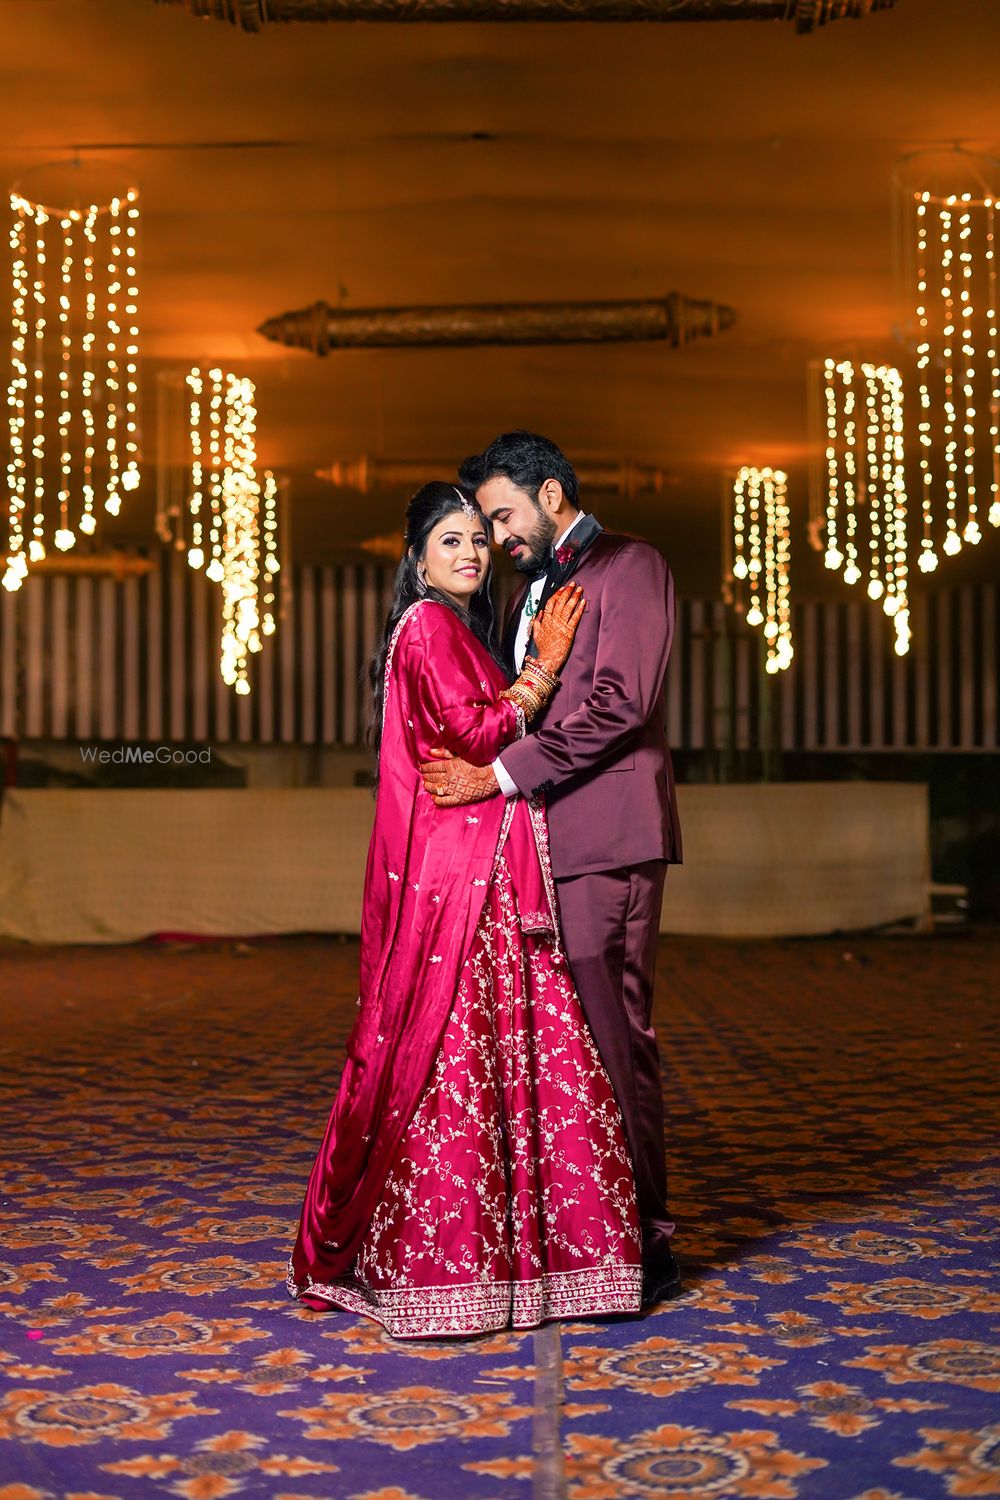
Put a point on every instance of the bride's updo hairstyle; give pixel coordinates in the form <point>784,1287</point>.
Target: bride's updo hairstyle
<point>428,508</point>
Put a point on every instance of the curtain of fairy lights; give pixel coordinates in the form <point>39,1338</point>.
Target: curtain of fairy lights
<point>216,508</point>
<point>952,255</point>
<point>864,521</point>
<point>761,555</point>
<point>73,391</point>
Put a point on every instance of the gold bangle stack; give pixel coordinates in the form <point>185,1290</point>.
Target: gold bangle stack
<point>533,689</point>
<point>546,680</point>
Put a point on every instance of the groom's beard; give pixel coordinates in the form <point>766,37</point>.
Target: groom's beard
<point>536,544</point>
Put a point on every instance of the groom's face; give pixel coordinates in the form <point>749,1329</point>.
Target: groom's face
<point>520,525</point>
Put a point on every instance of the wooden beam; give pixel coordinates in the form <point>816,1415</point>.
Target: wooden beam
<point>254,15</point>
<point>673,319</point>
<point>120,565</point>
<point>373,474</point>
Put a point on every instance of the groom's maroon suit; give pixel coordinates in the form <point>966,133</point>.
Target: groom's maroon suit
<point>600,755</point>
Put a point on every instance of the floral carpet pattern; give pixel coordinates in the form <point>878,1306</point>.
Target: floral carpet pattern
<point>833,1148</point>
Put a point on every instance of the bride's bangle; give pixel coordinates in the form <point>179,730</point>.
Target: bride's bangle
<point>526,699</point>
<point>532,689</point>
<point>542,675</point>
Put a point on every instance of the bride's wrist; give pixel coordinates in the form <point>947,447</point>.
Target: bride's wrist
<point>550,667</point>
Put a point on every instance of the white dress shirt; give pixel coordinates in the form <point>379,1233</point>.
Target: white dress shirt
<point>528,612</point>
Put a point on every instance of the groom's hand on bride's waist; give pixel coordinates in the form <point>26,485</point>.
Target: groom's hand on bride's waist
<point>453,782</point>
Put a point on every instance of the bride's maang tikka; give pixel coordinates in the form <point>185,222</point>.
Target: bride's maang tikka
<point>467,505</point>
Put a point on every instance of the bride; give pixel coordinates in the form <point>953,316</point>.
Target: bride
<point>474,1174</point>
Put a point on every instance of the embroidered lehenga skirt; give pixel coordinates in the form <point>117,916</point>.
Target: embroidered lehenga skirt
<point>511,1197</point>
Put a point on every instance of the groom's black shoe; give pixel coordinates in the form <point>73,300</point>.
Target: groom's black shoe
<point>661,1279</point>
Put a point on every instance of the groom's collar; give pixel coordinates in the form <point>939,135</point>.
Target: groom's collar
<point>574,542</point>
<point>581,515</point>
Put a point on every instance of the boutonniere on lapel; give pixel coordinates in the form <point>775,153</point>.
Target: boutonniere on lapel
<point>566,553</point>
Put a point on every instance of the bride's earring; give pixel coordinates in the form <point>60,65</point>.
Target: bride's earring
<point>421,580</point>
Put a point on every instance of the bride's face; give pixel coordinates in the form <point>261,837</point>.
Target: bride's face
<point>457,557</point>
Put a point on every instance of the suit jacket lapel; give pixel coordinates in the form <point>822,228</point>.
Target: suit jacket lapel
<point>580,539</point>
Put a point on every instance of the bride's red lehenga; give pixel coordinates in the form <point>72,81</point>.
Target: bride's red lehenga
<point>474,1173</point>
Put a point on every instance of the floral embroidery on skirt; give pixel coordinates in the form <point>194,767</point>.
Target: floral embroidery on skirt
<point>511,1198</point>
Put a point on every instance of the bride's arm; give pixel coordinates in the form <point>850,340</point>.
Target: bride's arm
<point>451,703</point>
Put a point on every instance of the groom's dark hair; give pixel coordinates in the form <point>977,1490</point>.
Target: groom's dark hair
<point>524,458</point>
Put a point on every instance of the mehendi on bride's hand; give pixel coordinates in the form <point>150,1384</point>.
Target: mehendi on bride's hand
<point>553,630</point>
<point>554,627</point>
<point>453,782</point>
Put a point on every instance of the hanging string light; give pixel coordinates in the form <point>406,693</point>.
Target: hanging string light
<point>88,522</point>
<point>68,355</point>
<point>865,476</point>
<point>130,479</point>
<point>894,488</point>
<point>272,562</point>
<point>17,562</point>
<point>761,534</point>
<point>215,477</point>
<point>928,559</point>
<point>874,445</point>
<point>240,535</point>
<point>196,551</point>
<point>64,535</point>
<point>993,355</point>
<point>947,270</point>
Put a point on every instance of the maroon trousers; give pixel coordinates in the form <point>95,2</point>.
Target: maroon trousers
<point>611,922</point>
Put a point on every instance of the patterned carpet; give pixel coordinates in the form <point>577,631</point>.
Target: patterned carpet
<point>831,1146</point>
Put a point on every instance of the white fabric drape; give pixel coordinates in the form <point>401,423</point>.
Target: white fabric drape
<point>117,866</point>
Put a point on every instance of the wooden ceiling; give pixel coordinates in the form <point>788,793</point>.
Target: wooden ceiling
<point>406,164</point>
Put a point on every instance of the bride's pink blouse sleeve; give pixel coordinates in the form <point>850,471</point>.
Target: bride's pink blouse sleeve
<point>452,689</point>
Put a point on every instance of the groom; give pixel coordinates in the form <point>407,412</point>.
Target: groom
<point>600,756</point>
